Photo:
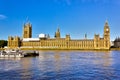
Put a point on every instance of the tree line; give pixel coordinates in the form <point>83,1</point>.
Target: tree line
<point>3,43</point>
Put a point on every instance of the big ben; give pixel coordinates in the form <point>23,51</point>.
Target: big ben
<point>106,35</point>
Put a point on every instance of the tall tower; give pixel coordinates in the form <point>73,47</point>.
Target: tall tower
<point>13,42</point>
<point>106,36</point>
<point>27,30</point>
<point>57,34</point>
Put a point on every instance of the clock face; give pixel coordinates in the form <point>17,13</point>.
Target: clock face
<point>107,29</point>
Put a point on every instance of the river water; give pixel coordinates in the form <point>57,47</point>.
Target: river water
<point>63,65</point>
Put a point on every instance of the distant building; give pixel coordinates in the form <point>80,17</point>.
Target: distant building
<point>117,43</point>
<point>45,42</point>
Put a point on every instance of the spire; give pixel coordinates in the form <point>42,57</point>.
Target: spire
<point>58,29</point>
<point>57,33</point>
<point>106,23</point>
<point>85,36</point>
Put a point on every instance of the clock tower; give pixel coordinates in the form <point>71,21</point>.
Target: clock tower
<point>106,36</point>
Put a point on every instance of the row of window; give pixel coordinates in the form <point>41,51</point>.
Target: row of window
<point>60,44</point>
<point>31,44</point>
<point>13,44</point>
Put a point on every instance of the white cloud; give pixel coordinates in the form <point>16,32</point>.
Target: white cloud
<point>2,16</point>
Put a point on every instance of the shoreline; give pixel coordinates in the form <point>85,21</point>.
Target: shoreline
<point>46,49</point>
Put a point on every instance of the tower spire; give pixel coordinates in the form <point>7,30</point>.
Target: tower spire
<point>58,29</point>
<point>57,33</point>
<point>85,36</point>
<point>106,22</point>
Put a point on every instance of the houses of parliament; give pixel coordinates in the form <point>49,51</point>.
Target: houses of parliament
<point>45,42</point>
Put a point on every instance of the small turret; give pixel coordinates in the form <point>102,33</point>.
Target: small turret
<point>67,37</point>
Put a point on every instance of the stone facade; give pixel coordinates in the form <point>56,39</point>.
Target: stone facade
<point>13,42</point>
<point>27,30</point>
<point>60,43</point>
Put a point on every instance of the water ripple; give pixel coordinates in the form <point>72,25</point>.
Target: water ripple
<point>63,65</point>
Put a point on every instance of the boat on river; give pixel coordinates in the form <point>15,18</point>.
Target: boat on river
<point>11,53</point>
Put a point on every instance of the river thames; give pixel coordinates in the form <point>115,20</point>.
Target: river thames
<point>63,65</point>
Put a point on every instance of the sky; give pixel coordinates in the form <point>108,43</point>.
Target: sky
<point>74,17</point>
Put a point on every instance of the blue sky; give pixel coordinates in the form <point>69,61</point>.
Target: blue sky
<point>74,17</point>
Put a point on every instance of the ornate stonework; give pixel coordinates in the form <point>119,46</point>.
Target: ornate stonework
<point>45,42</point>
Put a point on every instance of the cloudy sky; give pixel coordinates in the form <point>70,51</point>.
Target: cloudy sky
<point>74,17</point>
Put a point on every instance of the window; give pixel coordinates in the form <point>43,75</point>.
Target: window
<point>25,32</point>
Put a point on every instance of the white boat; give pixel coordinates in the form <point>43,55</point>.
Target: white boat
<point>9,53</point>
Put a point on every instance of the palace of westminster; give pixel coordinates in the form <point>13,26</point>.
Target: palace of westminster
<point>45,42</point>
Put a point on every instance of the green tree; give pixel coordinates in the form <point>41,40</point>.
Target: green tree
<point>3,43</point>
